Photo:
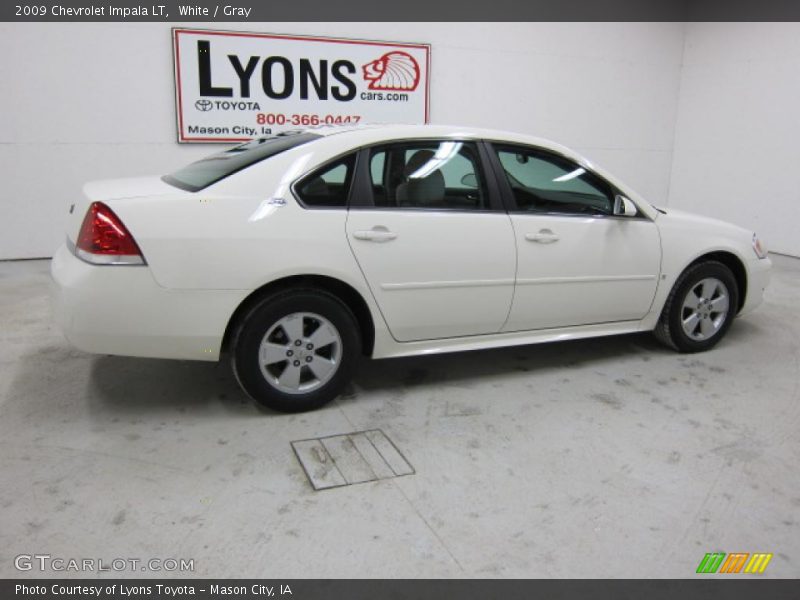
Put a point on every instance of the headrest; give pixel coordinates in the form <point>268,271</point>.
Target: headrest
<point>421,191</point>
<point>418,160</point>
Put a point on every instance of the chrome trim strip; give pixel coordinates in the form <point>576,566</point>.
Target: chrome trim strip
<point>586,279</point>
<point>103,260</point>
<point>429,285</point>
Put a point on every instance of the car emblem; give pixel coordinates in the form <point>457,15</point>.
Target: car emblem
<point>203,105</point>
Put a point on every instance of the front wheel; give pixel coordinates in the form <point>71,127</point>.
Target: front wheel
<point>296,351</point>
<point>700,308</point>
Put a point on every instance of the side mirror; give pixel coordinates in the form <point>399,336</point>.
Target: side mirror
<point>469,180</point>
<point>624,207</point>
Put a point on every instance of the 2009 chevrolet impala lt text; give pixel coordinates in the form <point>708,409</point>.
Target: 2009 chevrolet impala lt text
<point>297,253</point>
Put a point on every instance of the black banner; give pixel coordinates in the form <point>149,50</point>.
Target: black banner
<point>462,589</point>
<point>186,11</point>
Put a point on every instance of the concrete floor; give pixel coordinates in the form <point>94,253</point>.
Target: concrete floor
<point>605,458</point>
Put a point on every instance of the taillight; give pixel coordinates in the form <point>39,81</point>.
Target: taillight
<point>104,240</point>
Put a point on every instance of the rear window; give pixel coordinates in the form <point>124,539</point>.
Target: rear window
<point>211,169</point>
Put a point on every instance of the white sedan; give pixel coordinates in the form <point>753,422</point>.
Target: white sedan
<point>294,254</point>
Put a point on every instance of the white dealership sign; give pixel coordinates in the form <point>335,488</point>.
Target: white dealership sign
<point>231,86</point>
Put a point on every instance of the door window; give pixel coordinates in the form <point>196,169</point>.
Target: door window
<point>547,183</point>
<point>433,175</point>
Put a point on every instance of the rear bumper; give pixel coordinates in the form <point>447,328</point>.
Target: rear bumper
<point>122,310</point>
<point>759,272</point>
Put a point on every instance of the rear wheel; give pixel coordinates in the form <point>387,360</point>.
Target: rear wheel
<point>700,308</point>
<point>296,351</point>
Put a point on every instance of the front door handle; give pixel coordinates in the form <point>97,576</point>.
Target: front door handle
<point>376,234</point>
<point>544,236</point>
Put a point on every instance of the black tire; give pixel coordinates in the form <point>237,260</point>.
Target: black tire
<point>670,330</point>
<point>263,318</point>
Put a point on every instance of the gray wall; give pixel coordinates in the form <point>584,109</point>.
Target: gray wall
<point>89,101</point>
<point>737,141</point>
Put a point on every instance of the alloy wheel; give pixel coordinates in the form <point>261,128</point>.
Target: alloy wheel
<point>300,353</point>
<point>705,309</point>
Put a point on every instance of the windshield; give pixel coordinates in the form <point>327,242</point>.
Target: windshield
<point>211,169</point>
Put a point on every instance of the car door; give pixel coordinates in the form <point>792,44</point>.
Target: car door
<point>577,263</point>
<point>432,239</point>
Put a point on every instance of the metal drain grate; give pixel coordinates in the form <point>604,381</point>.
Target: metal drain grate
<point>349,458</point>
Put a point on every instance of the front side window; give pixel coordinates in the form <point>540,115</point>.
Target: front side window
<point>328,186</point>
<point>434,175</point>
<point>547,183</point>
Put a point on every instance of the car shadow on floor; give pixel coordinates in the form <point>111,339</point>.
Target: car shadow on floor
<point>469,369</point>
<point>126,386</point>
<point>57,383</point>
<point>142,384</point>
<point>136,384</point>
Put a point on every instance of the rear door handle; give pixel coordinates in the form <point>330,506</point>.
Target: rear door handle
<point>544,236</point>
<point>376,234</point>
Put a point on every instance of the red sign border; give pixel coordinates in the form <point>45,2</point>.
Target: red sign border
<point>177,66</point>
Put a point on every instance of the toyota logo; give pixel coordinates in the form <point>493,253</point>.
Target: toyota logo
<point>203,104</point>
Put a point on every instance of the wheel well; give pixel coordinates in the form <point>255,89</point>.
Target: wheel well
<point>344,292</point>
<point>735,265</point>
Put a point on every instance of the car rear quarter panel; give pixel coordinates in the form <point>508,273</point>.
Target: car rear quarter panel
<point>233,235</point>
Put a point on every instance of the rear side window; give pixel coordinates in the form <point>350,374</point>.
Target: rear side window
<point>204,172</point>
<point>328,186</point>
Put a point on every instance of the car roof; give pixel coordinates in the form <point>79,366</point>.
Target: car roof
<point>374,133</point>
